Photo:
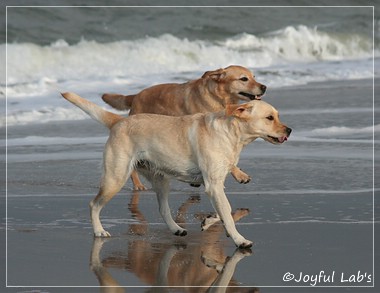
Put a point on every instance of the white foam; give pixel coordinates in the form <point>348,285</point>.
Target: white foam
<point>302,43</point>
<point>318,111</point>
<point>342,130</point>
<point>43,115</point>
<point>41,140</point>
<point>89,59</point>
<point>338,134</point>
<point>291,56</point>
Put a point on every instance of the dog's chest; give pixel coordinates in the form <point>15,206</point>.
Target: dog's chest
<point>184,172</point>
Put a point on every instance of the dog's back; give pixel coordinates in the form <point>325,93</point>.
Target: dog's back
<point>163,99</point>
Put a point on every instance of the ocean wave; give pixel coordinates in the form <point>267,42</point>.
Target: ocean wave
<point>338,134</point>
<point>42,115</point>
<point>292,56</point>
<point>302,43</point>
<point>318,111</point>
<point>342,130</point>
<point>44,141</point>
<point>28,62</point>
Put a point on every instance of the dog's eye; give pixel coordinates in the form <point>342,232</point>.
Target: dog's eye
<point>270,118</point>
<point>244,79</point>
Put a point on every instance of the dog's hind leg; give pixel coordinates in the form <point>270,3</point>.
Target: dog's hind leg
<point>137,184</point>
<point>106,192</point>
<point>116,171</point>
<point>160,185</point>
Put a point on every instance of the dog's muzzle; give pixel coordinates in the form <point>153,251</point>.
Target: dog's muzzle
<point>281,139</point>
<point>250,96</point>
<point>263,88</point>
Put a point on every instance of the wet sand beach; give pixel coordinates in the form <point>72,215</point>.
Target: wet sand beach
<point>310,207</point>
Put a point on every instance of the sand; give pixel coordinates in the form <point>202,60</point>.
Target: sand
<point>310,215</point>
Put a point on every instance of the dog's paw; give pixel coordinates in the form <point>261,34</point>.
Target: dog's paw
<point>243,252</point>
<point>195,185</point>
<point>102,233</point>
<point>245,245</point>
<point>180,233</point>
<point>212,263</point>
<point>241,212</point>
<point>209,221</point>
<point>139,187</point>
<point>194,199</point>
<point>240,176</point>
<point>180,246</point>
<point>244,178</point>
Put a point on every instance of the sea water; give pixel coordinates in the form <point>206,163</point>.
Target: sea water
<point>93,50</point>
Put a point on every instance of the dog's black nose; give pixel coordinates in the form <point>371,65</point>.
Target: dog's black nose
<point>263,88</point>
<point>288,130</point>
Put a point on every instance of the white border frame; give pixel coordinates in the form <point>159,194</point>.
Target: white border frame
<point>196,6</point>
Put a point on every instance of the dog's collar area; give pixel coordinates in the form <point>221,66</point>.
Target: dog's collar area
<point>250,96</point>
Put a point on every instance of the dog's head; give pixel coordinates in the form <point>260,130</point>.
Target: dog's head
<point>236,83</point>
<point>259,119</point>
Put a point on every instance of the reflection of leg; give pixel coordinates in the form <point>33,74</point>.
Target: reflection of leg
<point>97,245</point>
<point>161,187</point>
<point>163,268</point>
<point>214,218</point>
<point>103,276</point>
<point>212,262</point>
<point>228,270</point>
<point>180,218</point>
<point>141,227</point>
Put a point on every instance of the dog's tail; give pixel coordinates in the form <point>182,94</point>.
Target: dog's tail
<point>97,113</point>
<point>118,101</point>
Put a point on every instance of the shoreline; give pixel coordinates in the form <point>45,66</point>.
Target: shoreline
<point>270,97</point>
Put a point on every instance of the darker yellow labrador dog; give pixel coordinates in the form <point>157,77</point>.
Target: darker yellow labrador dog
<point>211,93</point>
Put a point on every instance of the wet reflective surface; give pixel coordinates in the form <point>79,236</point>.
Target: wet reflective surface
<point>160,263</point>
<point>44,250</point>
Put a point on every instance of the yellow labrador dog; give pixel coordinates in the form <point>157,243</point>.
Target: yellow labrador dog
<point>211,93</point>
<point>200,149</point>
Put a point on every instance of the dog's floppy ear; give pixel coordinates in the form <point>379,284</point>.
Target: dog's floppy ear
<point>216,75</point>
<point>242,111</point>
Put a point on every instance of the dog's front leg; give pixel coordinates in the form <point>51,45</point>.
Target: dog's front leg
<point>239,175</point>
<point>221,205</point>
<point>160,185</point>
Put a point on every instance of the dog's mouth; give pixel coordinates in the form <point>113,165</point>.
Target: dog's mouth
<point>250,96</point>
<point>277,140</point>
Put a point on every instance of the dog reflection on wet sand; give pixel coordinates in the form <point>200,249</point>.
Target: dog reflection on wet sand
<point>164,264</point>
